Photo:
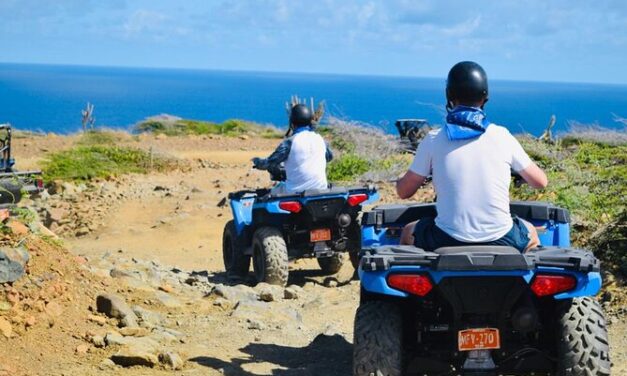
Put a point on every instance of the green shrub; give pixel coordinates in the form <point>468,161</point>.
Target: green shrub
<point>347,168</point>
<point>172,126</point>
<point>84,163</point>
<point>96,137</point>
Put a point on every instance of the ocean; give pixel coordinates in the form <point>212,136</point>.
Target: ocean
<point>50,98</point>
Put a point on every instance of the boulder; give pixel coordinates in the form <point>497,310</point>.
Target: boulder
<point>172,360</point>
<point>133,356</point>
<point>114,306</point>
<point>12,263</point>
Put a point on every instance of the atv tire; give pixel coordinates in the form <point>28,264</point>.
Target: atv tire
<point>236,263</point>
<point>331,265</point>
<point>378,340</point>
<point>270,260</point>
<point>583,348</point>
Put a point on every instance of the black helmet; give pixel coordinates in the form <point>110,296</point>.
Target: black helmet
<point>467,82</point>
<point>300,116</point>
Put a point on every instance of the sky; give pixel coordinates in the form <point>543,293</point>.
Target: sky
<point>532,40</point>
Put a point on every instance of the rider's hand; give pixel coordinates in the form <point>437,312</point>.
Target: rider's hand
<point>256,161</point>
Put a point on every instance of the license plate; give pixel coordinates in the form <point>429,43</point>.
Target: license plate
<point>320,235</point>
<point>479,339</point>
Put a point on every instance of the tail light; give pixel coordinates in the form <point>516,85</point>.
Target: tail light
<point>551,284</point>
<point>356,199</point>
<point>291,206</point>
<point>39,183</point>
<point>412,283</point>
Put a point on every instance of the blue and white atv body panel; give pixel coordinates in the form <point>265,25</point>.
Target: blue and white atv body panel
<point>451,299</point>
<point>296,215</point>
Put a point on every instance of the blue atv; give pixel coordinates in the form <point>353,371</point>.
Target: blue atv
<point>478,310</point>
<point>272,228</point>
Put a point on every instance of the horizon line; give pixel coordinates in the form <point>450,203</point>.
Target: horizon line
<point>293,72</point>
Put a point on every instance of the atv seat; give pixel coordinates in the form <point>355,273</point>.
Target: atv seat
<point>476,249</point>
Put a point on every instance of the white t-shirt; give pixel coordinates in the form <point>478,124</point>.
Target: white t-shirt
<point>471,180</point>
<point>306,164</point>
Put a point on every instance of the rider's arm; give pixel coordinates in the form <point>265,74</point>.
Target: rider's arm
<point>420,168</point>
<point>522,164</point>
<point>277,157</point>
<point>534,176</point>
<point>409,184</point>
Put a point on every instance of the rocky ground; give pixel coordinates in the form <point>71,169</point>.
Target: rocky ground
<point>135,285</point>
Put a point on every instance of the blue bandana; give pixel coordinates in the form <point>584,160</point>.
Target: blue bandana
<point>463,123</point>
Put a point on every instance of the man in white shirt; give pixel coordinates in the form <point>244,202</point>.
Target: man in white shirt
<point>304,155</point>
<point>470,160</point>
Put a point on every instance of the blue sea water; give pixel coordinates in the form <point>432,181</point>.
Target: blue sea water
<point>50,98</point>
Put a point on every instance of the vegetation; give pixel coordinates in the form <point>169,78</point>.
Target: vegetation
<point>174,126</point>
<point>87,162</point>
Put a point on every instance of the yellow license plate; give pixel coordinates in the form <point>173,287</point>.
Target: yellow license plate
<point>320,235</point>
<point>479,339</point>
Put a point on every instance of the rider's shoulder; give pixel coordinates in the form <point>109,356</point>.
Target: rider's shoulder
<point>498,130</point>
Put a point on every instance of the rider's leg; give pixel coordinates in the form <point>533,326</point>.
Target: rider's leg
<point>407,235</point>
<point>534,240</point>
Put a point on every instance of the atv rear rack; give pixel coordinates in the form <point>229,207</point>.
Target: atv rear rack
<point>472,258</point>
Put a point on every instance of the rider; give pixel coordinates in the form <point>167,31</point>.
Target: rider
<point>305,155</point>
<point>470,160</point>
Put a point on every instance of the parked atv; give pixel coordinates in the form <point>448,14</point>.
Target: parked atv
<point>478,310</point>
<point>14,184</point>
<point>274,228</point>
<point>411,132</point>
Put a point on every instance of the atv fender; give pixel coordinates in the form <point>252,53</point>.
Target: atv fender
<point>242,213</point>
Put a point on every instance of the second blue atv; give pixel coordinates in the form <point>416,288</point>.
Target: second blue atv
<point>478,310</point>
<point>273,228</point>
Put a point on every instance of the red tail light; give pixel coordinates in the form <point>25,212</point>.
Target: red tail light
<point>291,206</point>
<point>551,284</point>
<point>40,184</point>
<point>354,200</point>
<point>412,283</point>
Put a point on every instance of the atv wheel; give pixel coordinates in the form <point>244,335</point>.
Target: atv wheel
<point>583,348</point>
<point>236,263</point>
<point>331,265</point>
<point>270,260</point>
<point>378,339</point>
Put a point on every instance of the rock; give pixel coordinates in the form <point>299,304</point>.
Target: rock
<point>18,228</point>
<point>55,215</point>
<point>148,319</point>
<point>5,328</point>
<point>132,356</point>
<point>119,273</point>
<point>30,321</point>
<point>116,339</point>
<point>82,231</point>
<point>167,300</point>
<point>166,288</point>
<point>98,341</point>
<point>330,282</point>
<point>172,360</point>
<point>82,349</point>
<point>12,263</point>
<point>235,293</point>
<point>97,319</point>
<point>134,332</point>
<point>106,364</point>
<point>277,316</point>
<point>256,325</point>
<point>292,292</point>
<point>114,306</point>
<point>268,293</point>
